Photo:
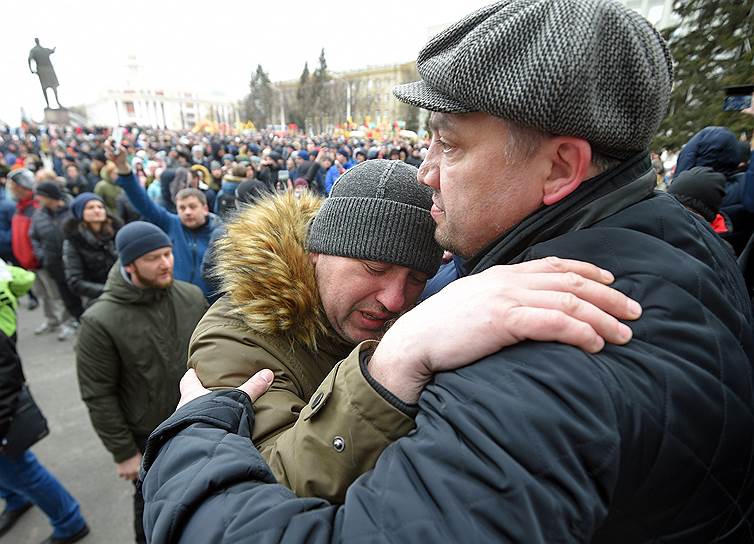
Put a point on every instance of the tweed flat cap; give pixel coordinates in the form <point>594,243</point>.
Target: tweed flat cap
<point>378,211</point>
<point>588,68</point>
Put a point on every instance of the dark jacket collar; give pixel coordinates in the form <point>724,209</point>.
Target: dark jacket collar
<point>596,199</point>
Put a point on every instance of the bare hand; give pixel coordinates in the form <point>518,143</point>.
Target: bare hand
<point>255,387</point>
<point>750,109</point>
<point>129,469</point>
<point>548,300</point>
<point>120,160</point>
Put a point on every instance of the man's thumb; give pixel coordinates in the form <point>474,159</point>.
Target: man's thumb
<point>258,384</point>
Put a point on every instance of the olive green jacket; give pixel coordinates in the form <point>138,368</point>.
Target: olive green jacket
<point>130,357</point>
<point>321,424</point>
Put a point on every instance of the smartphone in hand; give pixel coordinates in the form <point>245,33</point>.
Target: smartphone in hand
<point>117,139</point>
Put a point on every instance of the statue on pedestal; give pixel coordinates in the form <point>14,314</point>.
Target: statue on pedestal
<point>47,78</point>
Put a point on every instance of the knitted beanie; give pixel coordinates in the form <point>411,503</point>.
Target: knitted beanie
<point>701,189</point>
<point>79,203</point>
<point>594,69</point>
<point>378,211</point>
<point>139,238</point>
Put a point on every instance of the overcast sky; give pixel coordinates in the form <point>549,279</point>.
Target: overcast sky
<point>202,46</point>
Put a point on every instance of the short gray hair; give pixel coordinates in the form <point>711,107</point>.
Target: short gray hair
<point>523,142</point>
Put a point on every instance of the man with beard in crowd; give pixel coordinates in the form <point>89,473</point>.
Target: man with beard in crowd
<point>132,347</point>
<point>189,230</point>
<point>543,112</point>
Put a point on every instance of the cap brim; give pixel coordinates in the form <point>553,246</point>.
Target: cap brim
<point>421,95</point>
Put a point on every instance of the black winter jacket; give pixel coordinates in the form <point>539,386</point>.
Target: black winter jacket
<point>540,442</point>
<point>11,381</point>
<point>87,259</point>
<point>47,236</point>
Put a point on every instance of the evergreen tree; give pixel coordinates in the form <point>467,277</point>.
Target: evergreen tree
<point>259,103</point>
<point>303,108</point>
<point>412,118</point>
<point>322,100</point>
<point>712,49</point>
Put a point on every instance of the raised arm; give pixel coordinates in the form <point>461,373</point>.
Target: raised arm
<point>144,205</point>
<point>137,194</point>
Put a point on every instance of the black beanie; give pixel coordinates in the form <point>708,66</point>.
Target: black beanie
<point>700,189</point>
<point>139,238</point>
<point>251,190</point>
<point>50,189</point>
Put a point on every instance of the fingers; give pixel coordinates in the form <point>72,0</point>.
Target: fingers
<point>258,384</point>
<point>603,297</point>
<point>556,264</point>
<point>189,381</point>
<point>599,322</point>
<point>547,325</point>
<point>190,388</point>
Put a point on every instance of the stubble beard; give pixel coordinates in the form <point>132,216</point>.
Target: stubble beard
<point>149,283</point>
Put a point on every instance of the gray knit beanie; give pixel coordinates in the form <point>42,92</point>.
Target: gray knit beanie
<point>594,69</point>
<point>378,211</point>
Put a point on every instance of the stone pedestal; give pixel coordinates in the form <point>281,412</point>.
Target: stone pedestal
<point>57,117</point>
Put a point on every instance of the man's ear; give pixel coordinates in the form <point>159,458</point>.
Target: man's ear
<point>570,158</point>
<point>313,257</point>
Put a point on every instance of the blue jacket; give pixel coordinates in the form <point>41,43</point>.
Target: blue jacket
<point>719,149</point>
<point>332,175</point>
<point>7,209</point>
<point>447,274</point>
<point>188,245</point>
<point>716,147</point>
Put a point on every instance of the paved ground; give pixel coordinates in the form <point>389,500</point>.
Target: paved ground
<point>72,451</point>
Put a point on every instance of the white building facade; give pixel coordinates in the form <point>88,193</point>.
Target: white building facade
<point>160,109</point>
<point>139,98</point>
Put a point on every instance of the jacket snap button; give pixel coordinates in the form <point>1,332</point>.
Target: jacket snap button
<point>317,399</point>
<point>339,444</point>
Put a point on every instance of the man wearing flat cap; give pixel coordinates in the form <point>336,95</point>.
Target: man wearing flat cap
<point>132,347</point>
<point>543,112</point>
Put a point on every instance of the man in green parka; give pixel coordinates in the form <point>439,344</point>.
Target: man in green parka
<point>132,344</point>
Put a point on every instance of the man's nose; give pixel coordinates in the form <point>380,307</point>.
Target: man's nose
<point>393,296</point>
<point>429,171</point>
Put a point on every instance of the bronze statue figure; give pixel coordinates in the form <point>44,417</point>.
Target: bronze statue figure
<point>41,57</point>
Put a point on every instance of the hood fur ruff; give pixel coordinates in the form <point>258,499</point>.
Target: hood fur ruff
<point>266,271</point>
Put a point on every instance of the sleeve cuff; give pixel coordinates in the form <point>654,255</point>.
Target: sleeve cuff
<point>365,354</point>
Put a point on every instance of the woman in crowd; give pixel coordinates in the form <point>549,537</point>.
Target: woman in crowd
<point>89,247</point>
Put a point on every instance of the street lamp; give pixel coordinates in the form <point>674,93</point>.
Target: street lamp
<point>348,94</point>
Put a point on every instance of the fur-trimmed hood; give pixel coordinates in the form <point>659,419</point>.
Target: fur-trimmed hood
<point>263,265</point>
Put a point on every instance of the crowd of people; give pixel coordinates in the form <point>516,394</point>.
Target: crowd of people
<point>525,327</point>
<point>66,204</point>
